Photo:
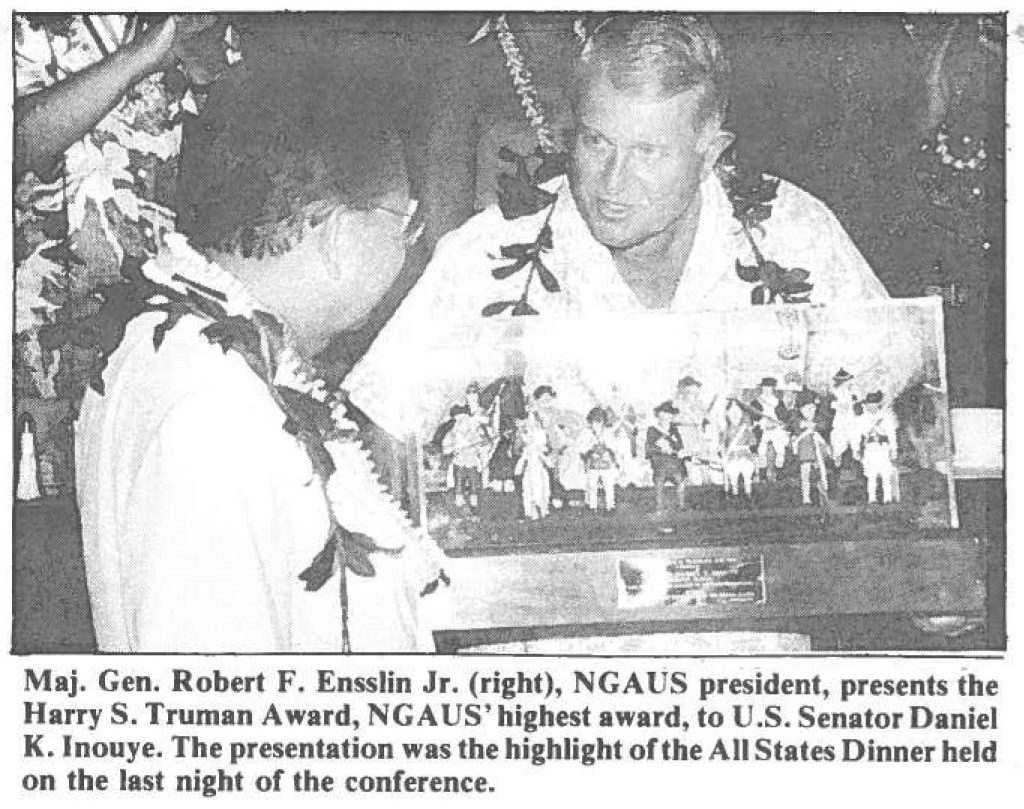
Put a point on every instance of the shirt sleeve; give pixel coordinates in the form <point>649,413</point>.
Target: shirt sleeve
<point>204,570</point>
<point>810,236</point>
<point>852,276</point>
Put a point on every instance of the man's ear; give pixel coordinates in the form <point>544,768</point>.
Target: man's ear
<point>716,141</point>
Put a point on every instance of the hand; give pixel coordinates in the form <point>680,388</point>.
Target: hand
<point>174,39</point>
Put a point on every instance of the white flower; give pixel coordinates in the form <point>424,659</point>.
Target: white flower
<point>31,56</point>
<point>77,52</point>
<point>188,103</point>
<point>174,258</point>
<point>92,174</point>
<point>165,145</point>
<point>522,81</point>
<point>342,421</point>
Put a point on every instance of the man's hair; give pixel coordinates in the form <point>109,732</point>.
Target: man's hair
<point>665,53</point>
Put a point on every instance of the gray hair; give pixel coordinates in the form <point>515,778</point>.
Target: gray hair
<point>667,53</point>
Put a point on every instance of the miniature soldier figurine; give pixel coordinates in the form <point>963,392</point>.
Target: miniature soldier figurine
<point>878,426</point>
<point>738,455</point>
<point>548,416</point>
<point>810,448</point>
<point>467,443</point>
<point>771,449</point>
<point>476,411</point>
<point>534,468</point>
<point>691,420</point>
<point>787,412</point>
<point>664,449</point>
<point>599,460</point>
<point>845,433</point>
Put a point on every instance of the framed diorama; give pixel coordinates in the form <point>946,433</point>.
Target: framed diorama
<point>733,413</point>
<point>770,461</point>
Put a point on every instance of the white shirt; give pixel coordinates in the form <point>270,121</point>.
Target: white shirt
<point>199,512</point>
<point>443,311</point>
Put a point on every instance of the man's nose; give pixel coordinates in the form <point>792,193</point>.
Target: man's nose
<point>616,171</point>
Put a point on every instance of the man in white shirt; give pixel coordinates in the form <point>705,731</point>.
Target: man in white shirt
<point>642,220</point>
<point>200,511</point>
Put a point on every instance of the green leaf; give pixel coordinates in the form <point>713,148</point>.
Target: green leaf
<point>523,309</point>
<point>517,198</point>
<point>771,275</point>
<point>496,308</point>
<point>96,381</point>
<point>795,276</point>
<point>748,272</point>
<point>799,288</point>
<point>120,305</point>
<point>52,336</point>
<point>175,311</point>
<point>322,567</point>
<point>758,295</point>
<point>207,307</point>
<point>269,322</point>
<point>552,165</point>
<point>358,561</point>
<point>354,539</point>
<point>175,83</point>
<point>545,239</point>
<point>323,463</point>
<point>61,254</point>
<point>518,250</point>
<point>547,278</point>
<point>507,270</point>
<point>234,332</point>
<point>308,414</point>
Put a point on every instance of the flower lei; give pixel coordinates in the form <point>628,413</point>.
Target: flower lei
<point>751,193</point>
<point>522,79</point>
<point>316,417</point>
<point>520,192</point>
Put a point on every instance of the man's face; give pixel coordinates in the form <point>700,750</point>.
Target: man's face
<point>638,160</point>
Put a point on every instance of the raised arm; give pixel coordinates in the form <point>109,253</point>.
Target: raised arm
<point>48,122</point>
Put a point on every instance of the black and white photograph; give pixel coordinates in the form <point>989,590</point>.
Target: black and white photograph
<point>509,333</point>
